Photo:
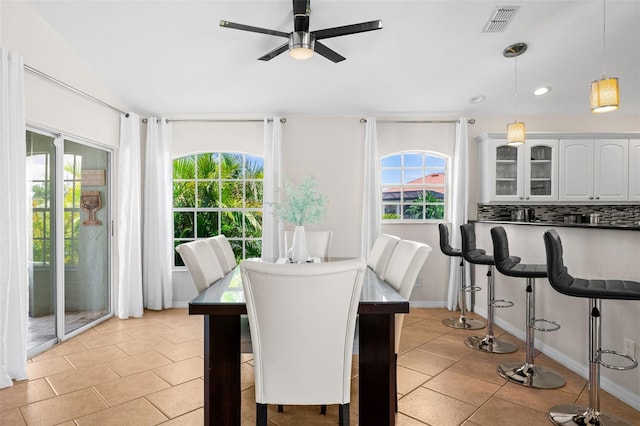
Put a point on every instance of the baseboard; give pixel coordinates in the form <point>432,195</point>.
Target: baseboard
<point>180,304</point>
<point>623,394</point>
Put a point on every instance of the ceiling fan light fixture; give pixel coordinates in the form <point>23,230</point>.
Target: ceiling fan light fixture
<point>301,45</point>
<point>605,95</point>
<point>515,133</point>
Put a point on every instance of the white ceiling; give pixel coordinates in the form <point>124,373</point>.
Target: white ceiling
<point>172,58</point>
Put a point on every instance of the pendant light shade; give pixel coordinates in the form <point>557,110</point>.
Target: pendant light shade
<point>515,133</point>
<point>605,95</point>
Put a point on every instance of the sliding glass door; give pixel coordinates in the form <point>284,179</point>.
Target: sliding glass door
<point>70,272</point>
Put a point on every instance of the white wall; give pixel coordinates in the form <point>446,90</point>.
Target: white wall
<point>24,31</point>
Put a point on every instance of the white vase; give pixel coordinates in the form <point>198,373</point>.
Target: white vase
<point>298,252</point>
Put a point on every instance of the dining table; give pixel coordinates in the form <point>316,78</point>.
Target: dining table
<point>224,309</point>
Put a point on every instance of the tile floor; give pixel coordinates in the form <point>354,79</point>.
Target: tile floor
<point>148,371</point>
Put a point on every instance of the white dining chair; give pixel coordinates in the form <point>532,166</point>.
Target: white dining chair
<point>201,262</point>
<point>224,252</point>
<point>318,242</point>
<point>405,264</point>
<point>302,321</point>
<point>381,252</point>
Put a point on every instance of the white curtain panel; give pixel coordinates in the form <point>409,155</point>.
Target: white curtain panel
<point>129,219</point>
<point>272,228</point>
<point>372,195</point>
<point>459,207</point>
<point>157,247</point>
<point>15,222</point>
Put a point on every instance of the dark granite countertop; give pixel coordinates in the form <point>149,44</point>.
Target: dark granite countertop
<point>625,227</point>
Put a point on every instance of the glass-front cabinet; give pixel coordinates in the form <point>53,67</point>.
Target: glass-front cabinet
<point>519,173</point>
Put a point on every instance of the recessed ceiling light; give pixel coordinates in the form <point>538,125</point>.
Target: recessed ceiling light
<point>541,91</point>
<point>477,99</point>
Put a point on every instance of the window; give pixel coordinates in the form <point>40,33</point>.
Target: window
<point>413,186</point>
<point>219,193</point>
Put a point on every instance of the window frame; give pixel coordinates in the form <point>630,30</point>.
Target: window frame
<point>423,168</point>
<point>239,243</point>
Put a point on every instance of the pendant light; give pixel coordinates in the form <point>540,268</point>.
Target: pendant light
<point>605,94</point>
<point>516,130</point>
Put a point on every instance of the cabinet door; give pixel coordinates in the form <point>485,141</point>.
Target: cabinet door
<point>541,171</point>
<point>507,164</point>
<point>611,172</point>
<point>634,170</point>
<point>576,170</point>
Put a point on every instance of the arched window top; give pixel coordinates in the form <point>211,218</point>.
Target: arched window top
<point>414,185</point>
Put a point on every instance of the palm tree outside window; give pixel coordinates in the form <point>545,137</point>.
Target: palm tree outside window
<point>219,193</point>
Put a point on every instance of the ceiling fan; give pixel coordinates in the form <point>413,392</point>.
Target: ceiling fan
<point>302,42</point>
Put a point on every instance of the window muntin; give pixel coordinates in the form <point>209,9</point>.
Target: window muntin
<point>413,186</point>
<point>219,193</point>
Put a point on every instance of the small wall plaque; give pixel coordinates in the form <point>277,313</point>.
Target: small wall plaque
<point>93,177</point>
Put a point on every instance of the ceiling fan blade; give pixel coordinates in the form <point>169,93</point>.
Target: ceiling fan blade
<point>348,29</point>
<point>275,52</point>
<point>331,55</point>
<point>243,27</point>
<point>301,9</point>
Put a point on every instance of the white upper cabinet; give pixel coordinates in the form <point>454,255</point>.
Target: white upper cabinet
<point>634,170</point>
<point>521,173</point>
<point>594,170</point>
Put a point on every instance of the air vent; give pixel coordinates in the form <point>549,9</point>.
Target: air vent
<point>500,19</point>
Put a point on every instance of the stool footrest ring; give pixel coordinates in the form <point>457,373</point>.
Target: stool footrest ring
<point>634,362</point>
<point>501,303</point>
<point>555,325</point>
<point>471,289</point>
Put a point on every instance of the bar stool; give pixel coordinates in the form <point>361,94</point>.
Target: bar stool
<point>462,321</point>
<point>476,256</point>
<point>526,374</point>
<point>594,290</point>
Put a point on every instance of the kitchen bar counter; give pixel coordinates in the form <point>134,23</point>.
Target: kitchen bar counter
<point>624,227</point>
<point>604,252</point>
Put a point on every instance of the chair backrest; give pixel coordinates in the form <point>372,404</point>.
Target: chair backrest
<point>201,262</point>
<point>223,250</point>
<point>557,273</point>
<point>381,252</point>
<point>318,242</point>
<point>504,262</point>
<point>445,242</point>
<point>406,262</point>
<point>302,321</point>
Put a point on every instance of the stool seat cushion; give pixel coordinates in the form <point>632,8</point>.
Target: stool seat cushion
<point>523,270</point>
<point>564,283</point>
<point>604,289</point>
<point>478,257</point>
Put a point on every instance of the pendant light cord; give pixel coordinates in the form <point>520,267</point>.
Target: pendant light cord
<point>515,88</point>
<point>604,32</point>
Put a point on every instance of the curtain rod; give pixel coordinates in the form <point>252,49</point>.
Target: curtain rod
<point>169,120</point>
<point>469,121</point>
<point>73,89</point>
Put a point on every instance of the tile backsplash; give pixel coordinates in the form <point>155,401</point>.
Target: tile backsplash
<point>620,214</point>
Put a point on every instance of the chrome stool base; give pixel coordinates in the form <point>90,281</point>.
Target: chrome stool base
<point>463,323</point>
<point>569,415</point>
<point>533,376</point>
<point>490,344</point>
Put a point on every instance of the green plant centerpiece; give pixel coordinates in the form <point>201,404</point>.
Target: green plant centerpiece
<point>303,204</point>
